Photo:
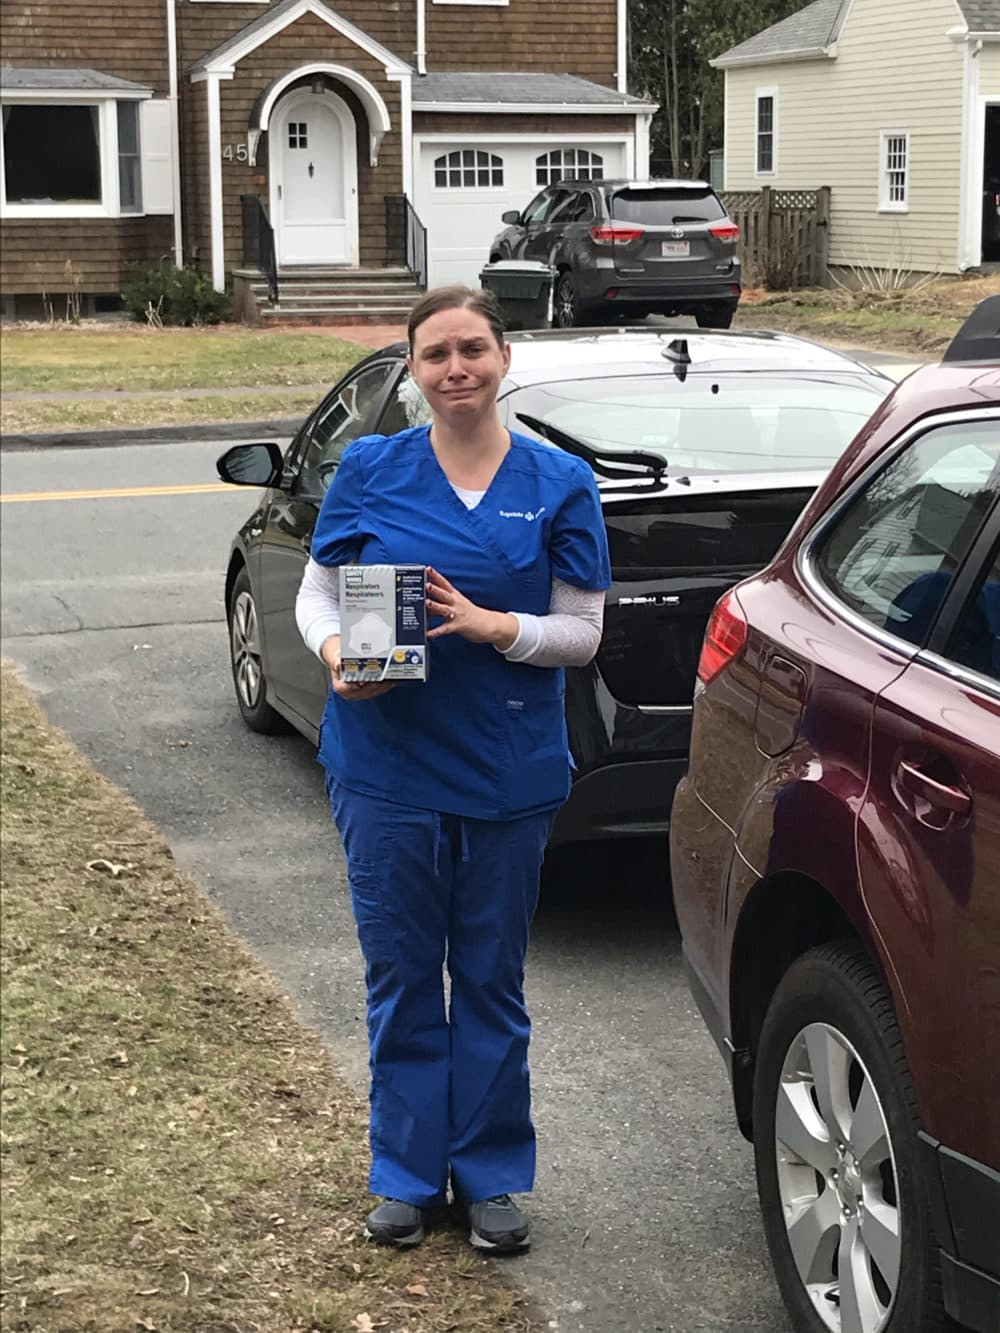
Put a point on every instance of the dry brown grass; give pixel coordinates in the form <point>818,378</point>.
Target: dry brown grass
<point>179,1154</point>
<point>922,321</point>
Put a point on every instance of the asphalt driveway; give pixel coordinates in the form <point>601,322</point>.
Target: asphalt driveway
<point>645,1211</point>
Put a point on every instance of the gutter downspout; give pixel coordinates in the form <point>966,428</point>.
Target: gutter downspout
<point>622,36</point>
<point>175,131</point>
<point>421,51</point>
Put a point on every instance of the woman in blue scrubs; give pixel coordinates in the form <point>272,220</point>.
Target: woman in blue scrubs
<point>444,792</point>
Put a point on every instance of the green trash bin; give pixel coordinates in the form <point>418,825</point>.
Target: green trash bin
<point>523,288</point>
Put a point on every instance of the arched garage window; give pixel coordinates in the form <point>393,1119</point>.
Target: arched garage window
<point>467,169</point>
<point>579,163</point>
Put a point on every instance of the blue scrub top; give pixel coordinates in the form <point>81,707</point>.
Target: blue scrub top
<point>483,737</point>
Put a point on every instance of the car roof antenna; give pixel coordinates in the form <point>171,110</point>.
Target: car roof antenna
<point>677,352</point>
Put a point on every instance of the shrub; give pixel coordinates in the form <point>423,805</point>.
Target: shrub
<point>166,294</point>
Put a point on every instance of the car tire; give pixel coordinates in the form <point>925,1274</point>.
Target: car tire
<point>246,662</point>
<point>566,306</point>
<point>835,1143</point>
<point>720,317</point>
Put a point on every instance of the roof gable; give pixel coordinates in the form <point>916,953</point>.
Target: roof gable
<point>808,33</point>
<point>981,15</point>
<point>222,58</point>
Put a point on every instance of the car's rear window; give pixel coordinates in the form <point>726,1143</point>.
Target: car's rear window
<point>666,207</point>
<point>709,423</point>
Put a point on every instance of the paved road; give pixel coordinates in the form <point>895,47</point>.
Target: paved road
<point>645,1211</point>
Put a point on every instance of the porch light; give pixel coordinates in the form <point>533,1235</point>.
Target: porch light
<point>318,85</point>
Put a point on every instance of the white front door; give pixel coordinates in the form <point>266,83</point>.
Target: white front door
<point>314,180</point>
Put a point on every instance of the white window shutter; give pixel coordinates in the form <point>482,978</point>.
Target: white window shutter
<point>157,163</point>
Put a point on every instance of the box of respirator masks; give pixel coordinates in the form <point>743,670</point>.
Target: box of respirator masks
<point>383,623</point>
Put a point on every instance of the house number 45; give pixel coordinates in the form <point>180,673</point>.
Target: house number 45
<point>236,153</point>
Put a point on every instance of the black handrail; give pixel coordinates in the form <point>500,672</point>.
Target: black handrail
<point>405,237</point>
<point>258,242</point>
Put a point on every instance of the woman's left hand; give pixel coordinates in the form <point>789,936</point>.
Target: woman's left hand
<point>460,616</point>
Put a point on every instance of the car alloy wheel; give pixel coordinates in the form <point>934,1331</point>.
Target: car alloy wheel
<point>835,1116</point>
<point>567,309</point>
<point>837,1181</point>
<point>246,660</point>
<point>246,650</point>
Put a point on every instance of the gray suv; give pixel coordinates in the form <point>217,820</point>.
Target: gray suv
<point>664,247</point>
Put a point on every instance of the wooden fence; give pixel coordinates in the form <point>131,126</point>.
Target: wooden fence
<point>784,235</point>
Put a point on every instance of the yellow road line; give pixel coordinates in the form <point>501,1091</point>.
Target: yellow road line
<point>119,493</point>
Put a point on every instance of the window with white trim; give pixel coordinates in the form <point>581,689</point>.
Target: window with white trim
<point>563,163</point>
<point>767,111</point>
<point>894,171</point>
<point>82,157</point>
<point>468,169</point>
<point>52,154</point>
<point>129,158</point>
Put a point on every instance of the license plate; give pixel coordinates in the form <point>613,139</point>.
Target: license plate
<point>675,249</point>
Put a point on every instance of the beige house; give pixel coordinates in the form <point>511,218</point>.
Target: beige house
<point>894,104</point>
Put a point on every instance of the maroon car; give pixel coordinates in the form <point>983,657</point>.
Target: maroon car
<point>835,853</point>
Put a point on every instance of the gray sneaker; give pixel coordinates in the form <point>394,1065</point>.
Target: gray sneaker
<point>395,1223</point>
<point>498,1224</point>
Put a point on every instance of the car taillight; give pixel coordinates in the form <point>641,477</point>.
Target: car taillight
<point>615,233</point>
<point>725,231</point>
<point>725,638</point>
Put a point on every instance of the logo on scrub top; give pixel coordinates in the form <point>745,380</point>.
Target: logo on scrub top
<point>528,515</point>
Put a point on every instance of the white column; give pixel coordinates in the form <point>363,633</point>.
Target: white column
<point>970,213</point>
<point>175,131</point>
<point>642,122</point>
<point>215,183</point>
<point>406,133</point>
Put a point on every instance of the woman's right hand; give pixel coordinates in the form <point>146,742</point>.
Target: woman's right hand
<point>330,652</point>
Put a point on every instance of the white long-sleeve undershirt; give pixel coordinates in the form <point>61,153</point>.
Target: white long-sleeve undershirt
<point>568,635</point>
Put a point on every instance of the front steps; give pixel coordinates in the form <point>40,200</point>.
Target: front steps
<point>326,296</point>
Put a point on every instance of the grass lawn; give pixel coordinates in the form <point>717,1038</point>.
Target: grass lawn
<point>20,415</point>
<point>178,1153</point>
<point>133,356</point>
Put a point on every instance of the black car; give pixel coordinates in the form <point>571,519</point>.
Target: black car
<point>620,247</point>
<point>705,448</point>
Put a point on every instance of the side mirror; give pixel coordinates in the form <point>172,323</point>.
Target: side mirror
<point>251,465</point>
<point>510,217</point>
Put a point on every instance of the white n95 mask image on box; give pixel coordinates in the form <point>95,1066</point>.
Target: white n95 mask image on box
<point>383,623</point>
<point>371,636</point>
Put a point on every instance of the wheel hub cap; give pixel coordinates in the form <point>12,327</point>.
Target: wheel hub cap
<point>847,1181</point>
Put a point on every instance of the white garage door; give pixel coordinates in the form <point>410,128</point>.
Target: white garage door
<point>461,188</point>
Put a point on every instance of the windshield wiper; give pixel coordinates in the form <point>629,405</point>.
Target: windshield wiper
<point>616,464</point>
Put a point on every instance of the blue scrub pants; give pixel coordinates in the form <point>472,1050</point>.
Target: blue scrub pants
<point>448,1089</point>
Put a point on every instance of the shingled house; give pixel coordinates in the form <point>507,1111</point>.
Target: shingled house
<point>183,128</point>
<point>894,104</point>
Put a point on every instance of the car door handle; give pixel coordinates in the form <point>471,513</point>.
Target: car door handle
<point>940,794</point>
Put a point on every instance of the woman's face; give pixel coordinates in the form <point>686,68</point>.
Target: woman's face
<point>458,365</point>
